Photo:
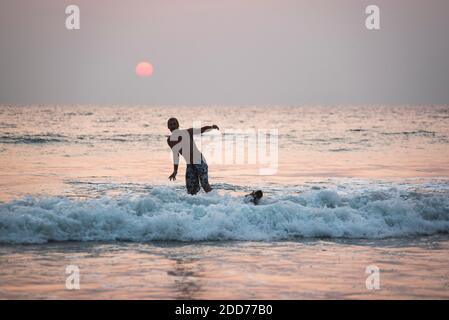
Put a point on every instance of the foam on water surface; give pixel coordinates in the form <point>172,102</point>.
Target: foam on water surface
<point>168,214</point>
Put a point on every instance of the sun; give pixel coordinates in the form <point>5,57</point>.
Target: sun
<point>144,69</point>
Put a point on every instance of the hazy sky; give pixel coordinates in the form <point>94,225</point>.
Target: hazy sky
<point>225,52</point>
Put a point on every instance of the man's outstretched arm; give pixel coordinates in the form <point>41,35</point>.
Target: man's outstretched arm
<point>203,129</point>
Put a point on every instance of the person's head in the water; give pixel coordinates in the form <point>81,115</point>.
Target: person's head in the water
<point>258,194</point>
<point>172,124</point>
<point>254,196</point>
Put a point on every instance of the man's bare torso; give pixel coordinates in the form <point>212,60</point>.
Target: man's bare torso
<point>176,137</point>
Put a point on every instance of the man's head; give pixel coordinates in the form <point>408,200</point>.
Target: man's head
<point>172,124</point>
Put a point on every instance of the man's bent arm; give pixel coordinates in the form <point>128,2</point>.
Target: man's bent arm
<point>175,159</point>
<point>175,166</point>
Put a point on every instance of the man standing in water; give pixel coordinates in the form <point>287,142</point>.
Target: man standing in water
<point>181,142</point>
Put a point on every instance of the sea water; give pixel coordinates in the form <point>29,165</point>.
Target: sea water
<point>353,187</point>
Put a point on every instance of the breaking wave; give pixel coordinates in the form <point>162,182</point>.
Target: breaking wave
<point>166,215</point>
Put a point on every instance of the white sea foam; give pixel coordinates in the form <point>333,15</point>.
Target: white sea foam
<point>166,214</point>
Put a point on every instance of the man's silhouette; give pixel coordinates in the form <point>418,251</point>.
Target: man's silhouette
<point>181,142</point>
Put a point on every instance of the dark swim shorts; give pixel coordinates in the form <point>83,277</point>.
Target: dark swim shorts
<point>196,174</point>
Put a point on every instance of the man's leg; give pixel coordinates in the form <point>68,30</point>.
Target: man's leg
<point>203,174</point>
<point>192,182</point>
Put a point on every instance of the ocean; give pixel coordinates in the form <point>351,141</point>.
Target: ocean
<point>346,189</point>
